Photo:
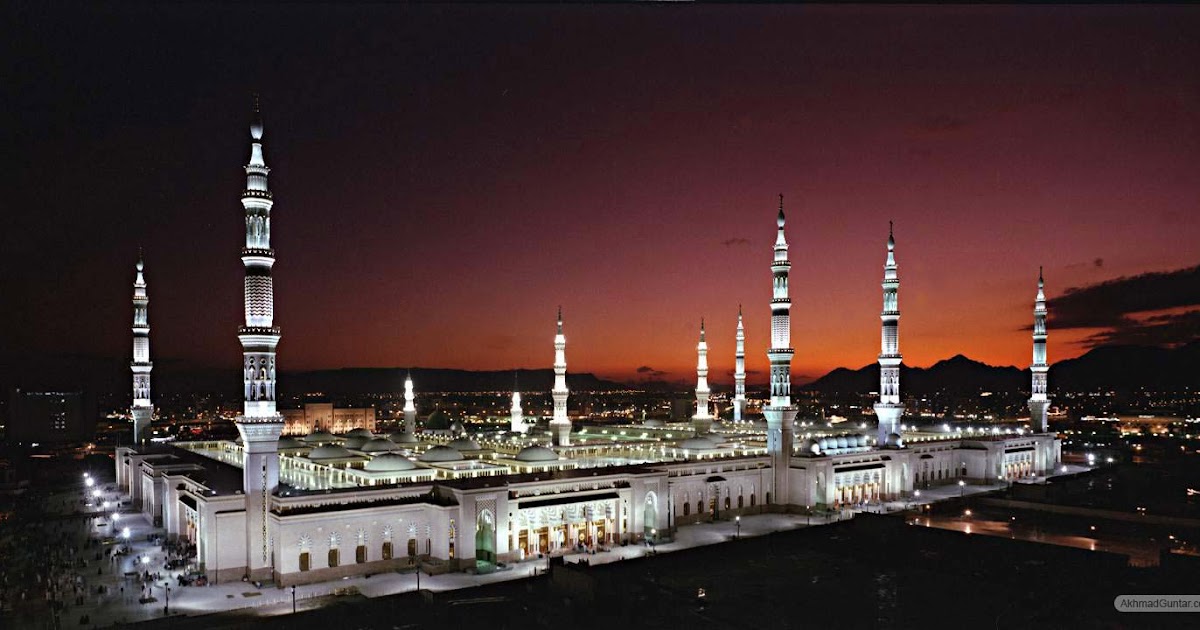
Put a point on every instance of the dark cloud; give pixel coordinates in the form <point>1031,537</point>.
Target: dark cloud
<point>649,371</point>
<point>1115,305</point>
<point>729,242</point>
<point>1095,263</point>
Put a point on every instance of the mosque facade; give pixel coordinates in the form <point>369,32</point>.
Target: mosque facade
<point>308,508</point>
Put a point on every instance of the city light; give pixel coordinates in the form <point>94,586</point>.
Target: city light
<point>89,482</point>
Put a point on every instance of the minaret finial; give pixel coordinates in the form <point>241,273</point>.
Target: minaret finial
<point>141,258</point>
<point>780,220</point>
<point>1041,283</point>
<point>891,243</point>
<point>256,125</point>
<point>701,329</point>
<point>560,319</point>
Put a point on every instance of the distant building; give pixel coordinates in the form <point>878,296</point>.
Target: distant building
<point>325,417</point>
<point>48,417</point>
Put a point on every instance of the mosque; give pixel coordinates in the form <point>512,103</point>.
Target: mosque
<point>322,506</point>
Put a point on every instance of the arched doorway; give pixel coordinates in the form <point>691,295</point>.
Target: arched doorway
<point>485,542</point>
<point>649,514</point>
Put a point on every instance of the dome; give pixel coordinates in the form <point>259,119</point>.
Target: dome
<point>841,441</point>
<point>317,437</point>
<point>653,423</point>
<point>438,421</point>
<point>464,444</point>
<point>355,442</point>
<point>536,454</point>
<point>360,432</point>
<point>330,452</point>
<point>810,446</point>
<point>238,440</point>
<point>457,428</point>
<point>441,454</point>
<point>378,445</point>
<point>403,437</point>
<point>860,440</point>
<point>895,441</point>
<point>389,462</point>
<point>290,442</point>
<point>698,444</point>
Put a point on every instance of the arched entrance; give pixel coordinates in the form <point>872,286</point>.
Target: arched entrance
<point>650,514</point>
<point>485,542</point>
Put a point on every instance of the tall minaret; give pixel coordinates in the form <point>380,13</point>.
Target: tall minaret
<point>702,421</point>
<point>517,417</point>
<point>739,371</point>
<point>1038,402</point>
<point>889,408</point>
<point>142,410</point>
<point>780,413</point>
<point>560,425</point>
<point>410,408</point>
<point>260,424</point>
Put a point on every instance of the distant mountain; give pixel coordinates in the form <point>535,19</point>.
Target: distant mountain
<point>957,374</point>
<point>1130,367</point>
<point>1107,367</point>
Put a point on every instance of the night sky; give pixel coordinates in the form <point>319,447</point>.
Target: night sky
<point>445,177</point>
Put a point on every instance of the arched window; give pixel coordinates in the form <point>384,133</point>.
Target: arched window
<point>387,550</point>
<point>740,501</point>
<point>768,498</point>
<point>412,548</point>
<point>751,499</point>
<point>699,507</point>
<point>333,557</point>
<point>305,561</point>
<point>687,509</point>
<point>360,554</point>
<point>727,502</point>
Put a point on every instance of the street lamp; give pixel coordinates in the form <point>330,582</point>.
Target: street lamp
<point>167,606</point>
<point>294,598</point>
<point>738,521</point>
<point>89,482</point>
<point>962,488</point>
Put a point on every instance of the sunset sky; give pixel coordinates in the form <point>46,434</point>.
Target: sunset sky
<point>445,177</point>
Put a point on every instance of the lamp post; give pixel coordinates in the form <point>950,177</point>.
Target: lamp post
<point>962,488</point>
<point>167,605</point>
<point>738,521</point>
<point>293,599</point>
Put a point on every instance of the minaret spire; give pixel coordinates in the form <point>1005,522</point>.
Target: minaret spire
<point>889,409</point>
<point>410,407</point>
<point>142,409</point>
<point>517,417</point>
<point>739,371</point>
<point>560,424</point>
<point>260,423</point>
<point>1039,403</point>
<point>780,413</point>
<point>702,421</point>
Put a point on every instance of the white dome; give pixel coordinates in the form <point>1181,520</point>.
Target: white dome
<point>654,423</point>
<point>389,462</point>
<point>894,440</point>
<point>289,442</point>
<point>841,441</point>
<point>441,454</point>
<point>355,442</point>
<point>329,452</point>
<point>464,444</point>
<point>536,454</point>
<point>810,446</point>
<point>403,437</point>
<point>317,437</point>
<point>360,432</point>
<point>456,427</point>
<point>378,445</point>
